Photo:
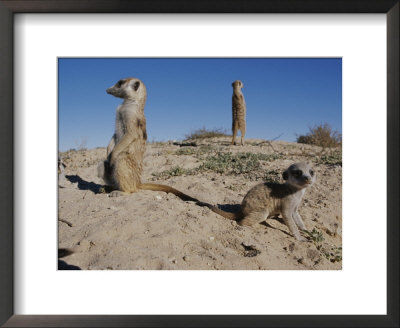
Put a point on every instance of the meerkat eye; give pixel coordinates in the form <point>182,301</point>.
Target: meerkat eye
<point>312,173</point>
<point>298,173</point>
<point>119,83</point>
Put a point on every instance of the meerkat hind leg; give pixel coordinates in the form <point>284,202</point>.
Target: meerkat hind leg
<point>234,137</point>
<point>253,218</point>
<point>242,134</point>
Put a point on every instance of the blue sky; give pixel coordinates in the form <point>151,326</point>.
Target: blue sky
<point>283,96</point>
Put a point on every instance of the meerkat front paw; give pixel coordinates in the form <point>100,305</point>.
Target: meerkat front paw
<point>117,193</point>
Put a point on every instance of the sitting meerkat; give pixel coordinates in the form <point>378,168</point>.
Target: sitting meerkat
<point>238,112</point>
<point>271,199</point>
<point>123,167</point>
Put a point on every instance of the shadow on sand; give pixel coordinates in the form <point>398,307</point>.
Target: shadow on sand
<point>265,223</point>
<point>62,265</point>
<point>85,185</point>
<point>232,208</point>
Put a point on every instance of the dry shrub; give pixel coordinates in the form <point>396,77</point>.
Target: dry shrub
<point>322,135</point>
<point>205,133</point>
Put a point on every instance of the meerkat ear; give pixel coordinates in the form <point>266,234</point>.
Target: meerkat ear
<point>136,85</point>
<point>285,175</point>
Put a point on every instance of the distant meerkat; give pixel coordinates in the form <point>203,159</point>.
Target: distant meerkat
<point>238,112</point>
<point>123,167</point>
<point>271,199</point>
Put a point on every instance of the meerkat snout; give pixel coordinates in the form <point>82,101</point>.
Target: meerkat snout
<point>300,175</point>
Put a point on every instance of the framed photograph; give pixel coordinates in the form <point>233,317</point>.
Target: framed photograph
<point>293,65</point>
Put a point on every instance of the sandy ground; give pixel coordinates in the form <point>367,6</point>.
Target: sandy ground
<point>154,230</point>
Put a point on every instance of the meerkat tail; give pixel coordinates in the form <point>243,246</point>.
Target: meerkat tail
<point>167,189</point>
<point>215,209</point>
<point>183,196</point>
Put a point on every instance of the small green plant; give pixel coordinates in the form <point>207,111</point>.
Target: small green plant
<point>185,151</point>
<point>333,159</point>
<point>230,163</point>
<point>196,151</point>
<point>321,135</point>
<point>315,235</point>
<point>239,163</point>
<point>173,172</point>
<point>224,163</point>
<point>272,176</point>
<point>248,164</point>
<point>334,254</point>
<point>206,133</point>
<point>266,157</point>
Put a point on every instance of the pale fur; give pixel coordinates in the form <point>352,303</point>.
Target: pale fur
<point>238,112</point>
<point>271,199</point>
<point>123,167</point>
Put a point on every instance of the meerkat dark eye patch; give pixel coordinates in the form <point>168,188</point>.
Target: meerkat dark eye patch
<point>312,173</point>
<point>136,85</point>
<point>297,173</point>
<point>119,83</point>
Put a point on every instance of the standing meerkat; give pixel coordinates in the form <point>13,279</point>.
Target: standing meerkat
<point>238,112</point>
<point>271,199</point>
<point>123,167</point>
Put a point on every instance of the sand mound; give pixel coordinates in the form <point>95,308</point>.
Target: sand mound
<point>155,230</point>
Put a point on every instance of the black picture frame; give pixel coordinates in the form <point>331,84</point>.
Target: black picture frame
<point>10,7</point>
